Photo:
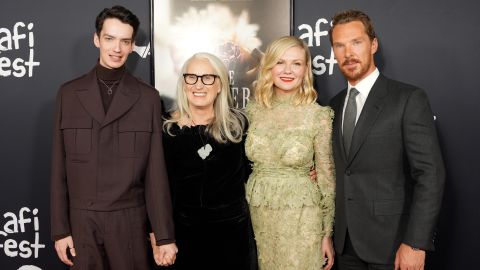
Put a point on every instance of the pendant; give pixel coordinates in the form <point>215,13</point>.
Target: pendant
<point>204,151</point>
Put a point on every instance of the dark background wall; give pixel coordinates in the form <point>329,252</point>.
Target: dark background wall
<point>432,43</point>
<point>63,45</point>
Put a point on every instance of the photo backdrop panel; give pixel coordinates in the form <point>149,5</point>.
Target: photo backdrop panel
<point>42,45</point>
<point>237,31</point>
<point>433,45</point>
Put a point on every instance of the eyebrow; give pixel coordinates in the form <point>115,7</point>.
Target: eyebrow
<point>108,35</point>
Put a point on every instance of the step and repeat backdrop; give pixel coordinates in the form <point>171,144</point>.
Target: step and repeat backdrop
<point>42,45</point>
<point>432,44</point>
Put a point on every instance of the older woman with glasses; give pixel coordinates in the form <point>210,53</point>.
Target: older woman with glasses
<point>207,168</point>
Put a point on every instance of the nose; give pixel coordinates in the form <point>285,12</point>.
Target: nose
<point>288,68</point>
<point>348,50</point>
<point>117,46</point>
<point>199,84</point>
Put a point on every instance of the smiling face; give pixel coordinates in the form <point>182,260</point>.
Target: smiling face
<point>289,71</point>
<point>114,42</point>
<point>199,95</point>
<point>354,50</point>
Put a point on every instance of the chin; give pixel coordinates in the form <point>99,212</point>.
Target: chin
<point>117,65</point>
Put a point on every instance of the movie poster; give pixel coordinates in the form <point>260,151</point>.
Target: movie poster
<point>237,31</point>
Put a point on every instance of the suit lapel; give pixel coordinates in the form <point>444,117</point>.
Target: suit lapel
<point>89,96</point>
<point>337,106</point>
<point>372,108</point>
<point>127,95</point>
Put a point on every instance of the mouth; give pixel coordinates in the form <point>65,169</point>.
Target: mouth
<point>287,79</point>
<point>116,58</point>
<point>350,63</point>
<point>199,94</point>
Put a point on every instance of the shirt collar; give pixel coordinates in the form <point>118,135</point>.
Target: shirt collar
<point>365,85</point>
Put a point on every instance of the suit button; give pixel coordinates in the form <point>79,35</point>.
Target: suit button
<point>348,172</point>
<point>90,203</point>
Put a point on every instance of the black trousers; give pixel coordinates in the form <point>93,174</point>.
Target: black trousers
<point>114,240</point>
<point>349,260</point>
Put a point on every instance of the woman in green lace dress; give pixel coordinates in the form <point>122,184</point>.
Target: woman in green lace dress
<point>289,134</point>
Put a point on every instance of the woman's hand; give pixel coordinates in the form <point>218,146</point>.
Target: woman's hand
<point>328,252</point>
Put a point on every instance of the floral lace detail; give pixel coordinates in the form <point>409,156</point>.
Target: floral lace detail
<point>290,213</point>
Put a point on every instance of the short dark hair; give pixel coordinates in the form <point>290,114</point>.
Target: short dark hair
<point>350,16</point>
<point>120,13</point>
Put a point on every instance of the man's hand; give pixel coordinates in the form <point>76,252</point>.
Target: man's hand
<point>164,255</point>
<point>409,259</point>
<point>61,247</point>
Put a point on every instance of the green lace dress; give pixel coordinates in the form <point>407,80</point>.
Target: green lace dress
<point>290,213</point>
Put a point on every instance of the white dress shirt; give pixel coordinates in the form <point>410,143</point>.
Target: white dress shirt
<point>363,87</point>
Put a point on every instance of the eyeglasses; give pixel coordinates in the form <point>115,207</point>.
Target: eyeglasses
<point>207,79</point>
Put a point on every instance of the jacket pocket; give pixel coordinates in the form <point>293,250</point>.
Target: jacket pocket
<point>77,134</point>
<point>134,138</point>
<point>396,207</point>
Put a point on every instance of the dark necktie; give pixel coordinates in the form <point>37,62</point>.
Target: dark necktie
<point>349,120</point>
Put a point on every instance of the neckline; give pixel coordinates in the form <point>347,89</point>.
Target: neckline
<point>282,100</point>
<point>106,74</point>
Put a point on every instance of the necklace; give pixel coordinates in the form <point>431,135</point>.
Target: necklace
<point>109,89</point>
<point>205,150</point>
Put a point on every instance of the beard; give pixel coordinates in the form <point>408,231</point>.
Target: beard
<point>358,72</point>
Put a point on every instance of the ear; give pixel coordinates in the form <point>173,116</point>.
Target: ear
<point>374,46</point>
<point>96,40</point>
<point>133,46</point>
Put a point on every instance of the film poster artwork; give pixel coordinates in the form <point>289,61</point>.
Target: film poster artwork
<point>237,31</point>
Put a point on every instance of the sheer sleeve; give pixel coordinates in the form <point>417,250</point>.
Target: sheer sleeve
<point>325,167</point>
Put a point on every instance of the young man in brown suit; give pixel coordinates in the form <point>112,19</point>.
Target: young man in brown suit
<point>108,171</point>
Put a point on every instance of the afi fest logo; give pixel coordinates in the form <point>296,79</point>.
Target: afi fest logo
<point>313,38</point>
<point>14,227</point>
<point>12,43</point>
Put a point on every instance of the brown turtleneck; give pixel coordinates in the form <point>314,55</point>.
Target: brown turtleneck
<point>109,77</point>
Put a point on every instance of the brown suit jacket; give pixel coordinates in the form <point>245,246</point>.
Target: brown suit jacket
<point>112,161</point>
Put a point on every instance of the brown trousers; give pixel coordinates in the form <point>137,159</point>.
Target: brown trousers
<point>110,240</point>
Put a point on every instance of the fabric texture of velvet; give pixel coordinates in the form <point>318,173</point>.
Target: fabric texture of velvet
<point>212,220</point>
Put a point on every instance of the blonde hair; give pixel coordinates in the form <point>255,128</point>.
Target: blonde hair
<point>264,88</point>
<point>228,123</point>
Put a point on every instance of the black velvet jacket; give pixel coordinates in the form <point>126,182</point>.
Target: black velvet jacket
<point>210,208</point>
<point>214,183</point>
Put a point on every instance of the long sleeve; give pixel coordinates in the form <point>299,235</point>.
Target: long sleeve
<point>426,168</point>
<point>325,168</point>
<point>60,225</point>
<point>157,190</point>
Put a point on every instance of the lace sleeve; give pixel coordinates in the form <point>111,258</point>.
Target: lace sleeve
<point>250,110</point>
<point>324,166</point>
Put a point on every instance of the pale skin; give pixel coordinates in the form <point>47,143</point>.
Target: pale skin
<point>61,246</point>
<point>164,255</point>
<point>115,43</point>
<point>409,259</point>
<point>288,74</point>
<point>354,51</point>
<point>201,97</point>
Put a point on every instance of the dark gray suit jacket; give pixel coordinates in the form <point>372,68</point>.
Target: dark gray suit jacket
<point>390,185</point>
